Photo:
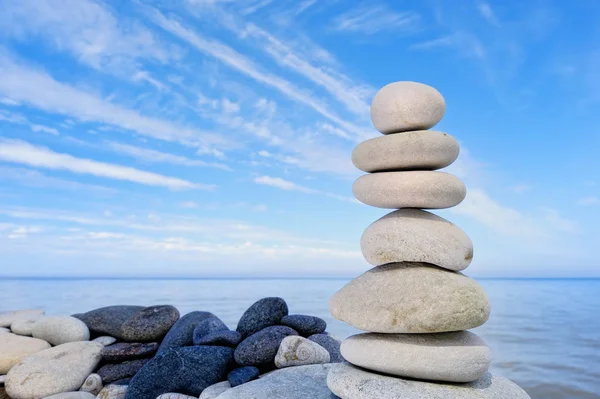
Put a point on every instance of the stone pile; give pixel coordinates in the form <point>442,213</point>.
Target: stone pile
<point>136,352</point>
<point>415,303</point>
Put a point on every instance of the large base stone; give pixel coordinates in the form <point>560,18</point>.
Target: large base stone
<point>350,382</point>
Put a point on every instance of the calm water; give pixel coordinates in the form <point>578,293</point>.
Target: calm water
<point>545,334</point>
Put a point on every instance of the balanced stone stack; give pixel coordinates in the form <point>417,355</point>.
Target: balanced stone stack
<point>415,303</point>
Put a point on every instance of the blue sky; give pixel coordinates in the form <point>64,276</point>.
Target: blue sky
<point>213,137</point>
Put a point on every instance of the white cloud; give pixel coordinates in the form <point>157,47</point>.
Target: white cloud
<point>371,18</point>
<point>520,188</point>
<point>33,178</point>
<point>487,12</point>
<point>287,185</point>
<point>40,157</point>
<point>467,44</point>
<point>18,119</point>
<point>588,201</point>
<point>154,156</point>
<point>23,232</point>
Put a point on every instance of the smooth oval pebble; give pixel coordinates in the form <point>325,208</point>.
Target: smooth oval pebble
<point>113,392</point>
<point>412,189</point>
<point>72,395</point>
<point>13,348</point>
<point>105,340</point>
<point>349,382</point>
<point>411,298</point>
<point>4,330</point>
<point>413,235</point>
<point>175,396</point>
<point>60,329</point>
<point>260,348</point>
<point>420,150</point>
<point>405,106</point>
<point>62,368</point>
<point>304,324</point>
<point>7,318</point>
<point>263,313</point>
<point>454,357</point>
<point>92,384</point>
<point>242,375</point>
<point>331,344</point>
<point>215,390</point>
<point>299,351</point>
<point>24,326</point>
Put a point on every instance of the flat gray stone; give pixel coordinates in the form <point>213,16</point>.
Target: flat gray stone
<point>411,189</point>
<point>24,326</point>
<point>105,340</point>
<point>290,383</point>
<point>92,384</point>
<point>60,329</point>
<point>113,392</point>
<point>14,347</point>
<point>299,351</point>
<point>411,298</point>
<point>72,395</point>
<point>420,150</point>
<point>413,235</point>
<point>406,106</point>
<point>349,382</point>
<point>62,368</point>
<point>7,318</point>
<point>215,390</point>
<point>453,357</point>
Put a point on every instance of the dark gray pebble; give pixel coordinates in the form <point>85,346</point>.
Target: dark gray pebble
<point>182,332</point>
<point>261,348</point>
<point>264,313</point>
<point>331,344</point>
<point>118,371</point>
<point>208,326</point>
<point>305,325</point>
<point>242,375</point>
<point>126,351</point>
<point>220,338</point>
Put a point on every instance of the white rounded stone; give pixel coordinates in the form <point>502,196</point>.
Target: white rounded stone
<point>350,382</point>
<point>105,340</point>
<point>298,351</point>
<point>113,392</point>
<point>420,150</point>
<point>406,106</point>
<point>175,396</point>
<point>7,318</point>
<point>215,390</point>
<point>14,347</point>
<point>410,189</point>
<point>92,384</point>
<point>62,368</point>
<point>24,326</point>
<point>454,357</point>
<point>413,235</point>
<point>2,379</point>
<point>411,298</point>
<point>4,330</point>
<point>72,395</point>
<point>61,329</point>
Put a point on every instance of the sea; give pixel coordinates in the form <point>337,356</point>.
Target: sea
<point>544,333</point>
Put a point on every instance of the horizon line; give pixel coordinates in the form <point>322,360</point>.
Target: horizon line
<point>265,278</point>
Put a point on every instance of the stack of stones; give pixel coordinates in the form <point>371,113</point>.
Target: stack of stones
<point>415,303</point>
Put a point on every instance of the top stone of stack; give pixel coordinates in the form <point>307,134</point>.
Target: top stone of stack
<point>406,106</point>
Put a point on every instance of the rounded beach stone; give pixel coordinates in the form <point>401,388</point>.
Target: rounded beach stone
<point>454,357</point>
<point>59,369</point>
<point>24,326</point>
<point>195,368</point>
<point>13,348</point>
<point>406,106</point>
<point>411,298</point>
<point>113,392</point>
<point>7,318</point>
<point>412,189</point>
<point>105,340</point>
<point>301,382</point>
<point>118,371</point>
<point>263,313</point>
<point>242,375</point>
<point>215,390</point>
<point>122,381</point>
<point>2,379</point>
<point>331,344</point>
<point>182,332</point>
<point>4,330</point>
<point>261,348</point>
<point>350,382</point>
<point>413,235</point>
<point>60,329</point>
<point>72,395</point>
<point>172,395</point>
<point>299,351</point>
<point>206,327</point>
<point>93,384</point>
<point>127,351</point>
<point>220,338</point>
<point>305,325</point>
<point>420,150</point>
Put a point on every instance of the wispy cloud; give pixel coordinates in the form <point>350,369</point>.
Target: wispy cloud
<point>371,18</point>
<point>23,153</point>
<point>287,185</point>
<point>34,178</point>
<point>589,201</point>
<point>466,43</point>
<point>487,12</point>
<point>15,118</point>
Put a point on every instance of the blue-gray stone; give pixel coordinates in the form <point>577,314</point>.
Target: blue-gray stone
<point>131,323</point>
<point>305,325</point>
<point>242,375</point>
<point>261,348</point>
<point>114,372</point>
<point>331,344</point>
<point>220,338</point>
<point>208,326</point>
<point>264,313</point>
<point>187,370</point>
<point>182,332</point>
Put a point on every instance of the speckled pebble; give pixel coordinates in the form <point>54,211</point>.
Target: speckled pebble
<point>242,375</point>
